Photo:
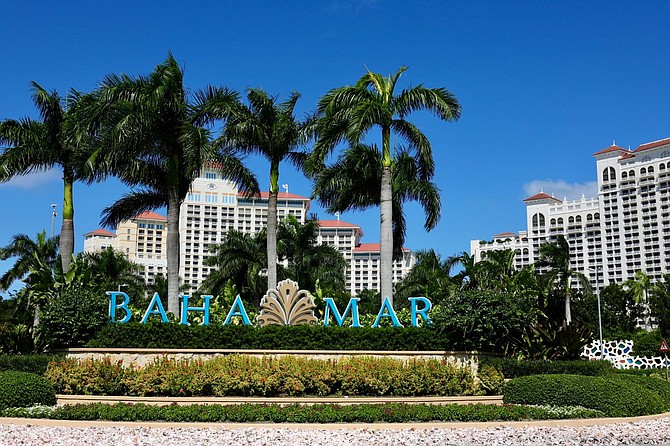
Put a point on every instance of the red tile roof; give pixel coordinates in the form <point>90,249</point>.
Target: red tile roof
<point>653,145</point>
<point>101,232</point>
<point>336,224</point>
<point>371,247</point>
<point>627,156</point>
<point>505,234</point>
<point>149,215</point>
<point>284,195</point>
<point>541,196</point>
<point>609,149</point>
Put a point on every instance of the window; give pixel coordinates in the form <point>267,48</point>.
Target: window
<point>210,175</point>
<point>142,225</point>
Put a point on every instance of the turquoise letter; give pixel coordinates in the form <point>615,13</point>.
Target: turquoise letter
<point>427,305</point>
<point>185,309</point>
<point>155,302</point>
<point>351,306</point>
<point>238,310</point>
<point>387,311</point>
<point>113,306</point>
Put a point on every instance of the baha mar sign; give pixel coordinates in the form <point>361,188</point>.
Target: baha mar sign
<point>285,305</point>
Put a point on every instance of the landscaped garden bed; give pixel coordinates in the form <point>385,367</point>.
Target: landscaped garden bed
<point>244,375</point>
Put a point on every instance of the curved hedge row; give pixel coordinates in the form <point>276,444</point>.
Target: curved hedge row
<point>514,368</point>
<point>22,389</point>
<point>616,396</point>
<point>244,375</point>
<point>303,337</point>
<point>316,413</point>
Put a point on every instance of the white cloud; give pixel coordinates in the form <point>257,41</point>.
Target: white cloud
<point>33,180</point>
<point>562,189</point>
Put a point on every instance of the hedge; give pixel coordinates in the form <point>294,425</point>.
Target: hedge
<point>317,413</point>
<point>244,375</point>
<point>36,364</point>
<point>22,389</point>
<point>303,337</point>
<point>616,396</point>
<point>514,368</point>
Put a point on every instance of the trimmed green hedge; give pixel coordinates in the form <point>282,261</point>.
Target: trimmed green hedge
<point>317,413</point>
<point>36,364</point>
<point>616,396</point>
<point>21,389</point>
<point>304,337</point>
<point>514,368</point>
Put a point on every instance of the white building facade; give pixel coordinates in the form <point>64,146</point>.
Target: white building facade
<point>215,206</point>
<point>625,229</point>
<point>142,239</point>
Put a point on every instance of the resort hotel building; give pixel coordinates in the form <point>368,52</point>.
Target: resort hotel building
<point>625,229</point>
<point>213,207</point>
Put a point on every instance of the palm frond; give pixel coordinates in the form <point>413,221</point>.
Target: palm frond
<point>130,205</point>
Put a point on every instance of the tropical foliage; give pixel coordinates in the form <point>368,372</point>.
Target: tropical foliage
<point>241,258</point>
<point>55,141</point>
<point>268,128</point>
<point>348,114</point>
<point>555,259</point>
<point>152,135</point>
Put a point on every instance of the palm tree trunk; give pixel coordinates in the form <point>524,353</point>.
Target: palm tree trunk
<point>66,243</point>
<point>386,236</point>
<point>36,317</point>
<point>272,240</point>
<point>172,239</point>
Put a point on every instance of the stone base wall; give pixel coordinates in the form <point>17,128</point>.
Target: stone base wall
<point>134,357</point>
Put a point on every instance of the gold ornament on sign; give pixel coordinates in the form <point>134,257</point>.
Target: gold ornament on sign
<point>287,305</point>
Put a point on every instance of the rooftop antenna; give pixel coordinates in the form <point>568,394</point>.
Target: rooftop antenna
<point>613,142</point>
<point>337,214</point>
<point>285,187</point>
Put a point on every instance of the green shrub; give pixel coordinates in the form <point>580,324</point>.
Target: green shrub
<point>316,413</point>
<point>36,364</point>
<point>243,375</point>
<point>491,381</point>
<point>487,321</point>
<point>616,396</point>
<point>646,343</point>
<point>304,337</point>
<point>73,317</point>
<point>513,368</point>
<point>21,389</point>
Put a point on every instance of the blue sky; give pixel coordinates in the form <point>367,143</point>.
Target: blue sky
<point>543,85</point>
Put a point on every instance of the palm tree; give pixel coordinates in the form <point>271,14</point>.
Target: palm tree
<point>153,136</point>
<point>33,146</point>
<point>349,113</point>
<point>468,276</point>
<point>429,277</point>
<point>112,269</point>
<point>497,269</point>
<point>242,258</point>
<point>353,182</point>
<point>639,286</point>
<point>268,128</point>
<point>309,263</point>
<point>34,265</point>
<point>555,259</point>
